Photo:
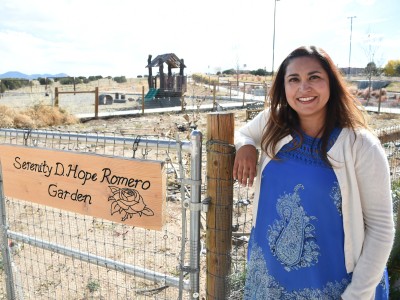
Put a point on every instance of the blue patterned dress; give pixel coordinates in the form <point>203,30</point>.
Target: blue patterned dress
<point>296,248</point>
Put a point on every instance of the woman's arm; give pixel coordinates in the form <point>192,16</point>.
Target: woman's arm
<point>247,140</point>
<point>245,166</point>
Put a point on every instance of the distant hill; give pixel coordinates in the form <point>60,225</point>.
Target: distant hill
<point>19,75</point>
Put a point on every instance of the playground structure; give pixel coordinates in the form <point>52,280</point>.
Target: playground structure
<point>169,87</point>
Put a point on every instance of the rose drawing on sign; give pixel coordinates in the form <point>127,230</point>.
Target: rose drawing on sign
<point>128,202</point>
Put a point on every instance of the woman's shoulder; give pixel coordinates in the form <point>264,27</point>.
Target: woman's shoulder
<point>362,137</point>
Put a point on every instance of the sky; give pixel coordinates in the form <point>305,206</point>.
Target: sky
<point>115,37</point>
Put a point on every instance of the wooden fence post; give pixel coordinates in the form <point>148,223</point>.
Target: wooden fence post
<point>230,90</point>
<point>56,97</point>
<point>265,95</point>
<point>380,101</point>
<point>96,102</point>
<point>142,99</point>
<point>220,157</point>
<point>244,93</point>
<point>183,103</point>
<point>214,99</point>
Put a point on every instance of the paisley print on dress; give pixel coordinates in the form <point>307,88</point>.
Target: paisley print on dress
<point>336,197</point>
<point>292,237</point>
<point>261,285</point>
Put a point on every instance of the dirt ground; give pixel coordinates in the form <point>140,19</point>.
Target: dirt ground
<point>165,124</point>
<point>169,124</point>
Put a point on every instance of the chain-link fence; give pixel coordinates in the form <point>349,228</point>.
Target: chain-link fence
<point>75,256</point>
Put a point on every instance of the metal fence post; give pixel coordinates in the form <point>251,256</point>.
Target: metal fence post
<point>195,201</point>
<point>5,249</point>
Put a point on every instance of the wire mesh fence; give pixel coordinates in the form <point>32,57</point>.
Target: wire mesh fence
<point>58,254</point>
<point>390,138</point>
<point>117,101</point>
<point>99,259</point>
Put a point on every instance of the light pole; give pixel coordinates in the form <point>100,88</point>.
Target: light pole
<point>351,32</point>
<point>209,78</point>
<point>273,41</point>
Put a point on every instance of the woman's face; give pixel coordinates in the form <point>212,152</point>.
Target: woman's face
<point>307,90</point>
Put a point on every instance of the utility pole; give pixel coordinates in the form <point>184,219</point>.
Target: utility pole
<point>273,41</point>
<point>351,32</point>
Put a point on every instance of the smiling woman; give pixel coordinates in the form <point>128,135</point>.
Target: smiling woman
<point>323,222</point>
<point>307,93</point>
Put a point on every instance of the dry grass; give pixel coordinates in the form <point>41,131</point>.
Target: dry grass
<point>38,116</point>
<point>394,87</point>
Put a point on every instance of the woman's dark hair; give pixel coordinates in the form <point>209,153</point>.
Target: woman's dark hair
<point>343,109</point>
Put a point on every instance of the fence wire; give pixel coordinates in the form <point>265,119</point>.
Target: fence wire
<point>119,101</point>
<point>46,273</point>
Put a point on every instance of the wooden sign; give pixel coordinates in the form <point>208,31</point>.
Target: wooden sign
<point>128,191</point>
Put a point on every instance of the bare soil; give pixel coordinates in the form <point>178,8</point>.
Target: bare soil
<point>169,124</point>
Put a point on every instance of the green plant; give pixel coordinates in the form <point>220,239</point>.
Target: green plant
<point>13,83</point>
<point>120,79</point>
<point>237,281</point>
<point>93,285</point>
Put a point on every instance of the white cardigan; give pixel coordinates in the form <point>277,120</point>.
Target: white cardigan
<point>362,170</point>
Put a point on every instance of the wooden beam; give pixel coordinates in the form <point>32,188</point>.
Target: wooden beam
<point>220,157</point>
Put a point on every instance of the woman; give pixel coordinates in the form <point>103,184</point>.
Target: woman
<point>323,224</point>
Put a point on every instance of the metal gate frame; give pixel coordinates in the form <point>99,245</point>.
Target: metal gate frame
<point>193,203</point>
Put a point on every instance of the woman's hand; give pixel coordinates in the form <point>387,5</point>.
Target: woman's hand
<point>245,166</point>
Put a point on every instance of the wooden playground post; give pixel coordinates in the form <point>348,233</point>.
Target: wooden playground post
<point>220,157</point>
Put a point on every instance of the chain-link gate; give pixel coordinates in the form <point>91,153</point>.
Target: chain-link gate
<point>49,253</point>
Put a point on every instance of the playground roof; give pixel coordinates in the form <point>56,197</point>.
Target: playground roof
<point>169,58</point>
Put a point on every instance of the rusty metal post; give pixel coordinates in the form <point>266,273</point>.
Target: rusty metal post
<point>220,157</point>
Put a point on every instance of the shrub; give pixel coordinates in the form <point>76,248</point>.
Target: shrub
<point>38,116</point>
<point>13,84</point>
<point>23,121</point>
<point>67,80</point>
<point>120,79</point>
<point>49,116</point>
